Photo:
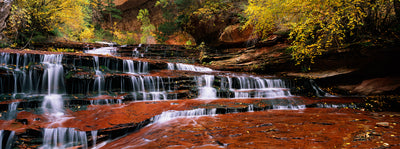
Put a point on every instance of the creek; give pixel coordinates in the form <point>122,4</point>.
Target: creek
<point>149,96</point>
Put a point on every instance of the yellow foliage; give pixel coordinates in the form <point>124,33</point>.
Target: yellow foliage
<point>67,16</point>
<point>315,25</point>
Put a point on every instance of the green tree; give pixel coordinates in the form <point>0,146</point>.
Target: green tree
<point>317,25</point>
<point>40,18</point>
<point>147,28</point>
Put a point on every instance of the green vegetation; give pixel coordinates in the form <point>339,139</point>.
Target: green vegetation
<point>33,21</point>
<point>192,16</point>
<point>317,26</point>
<point>147,28</point>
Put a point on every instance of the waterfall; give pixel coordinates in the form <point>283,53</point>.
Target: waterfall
<point>12,110</point>
<point>206,90</point>
<point>64,138</point>
<point>172,114</point>
<point>151,88</point>
<point>171,66</point>
<point>188,67</point>
<point>99,80</point>
<point>53,104</point>
<point>53,73</point>
<point>250,108</point>
<point>141,67</point>
<point>255,87</point>
<point>103,51</point>
<point>8,140</point>
<point>94,137</point>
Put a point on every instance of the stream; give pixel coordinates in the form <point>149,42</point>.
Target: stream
<point>150,96</point>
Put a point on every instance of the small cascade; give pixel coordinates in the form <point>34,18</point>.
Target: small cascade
<point>5,59</point>
<point>188,67</point>
<point>64,138</point>
<point>318,91</point>
<point>169,115</point>
<point>99,81</point>
<point>54,105</point>
<point>250,108</point>
<point>94,137</point>
<point>136,53</point>
<point>103,51</point>
<point>289,107</point>
<point>139,68</point>
<point>12,110</point>
<point>255,87</point>
<point>53,74</point>
<point>149,87</point>
<point>171,66</point>
<point>206,91</point>
<point>7,138</point>
<point>105,101</point>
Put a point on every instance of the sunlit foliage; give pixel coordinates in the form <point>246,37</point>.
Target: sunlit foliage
<point>37,19</point>
<point>147,28</point>
<point>316,25</point>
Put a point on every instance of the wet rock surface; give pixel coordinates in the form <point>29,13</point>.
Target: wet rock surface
<point>81,100</point>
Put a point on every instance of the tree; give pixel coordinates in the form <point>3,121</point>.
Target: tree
<point>147,28</point>
<point>316,25</point>
<point>5,7</point>
<point>33,18</point>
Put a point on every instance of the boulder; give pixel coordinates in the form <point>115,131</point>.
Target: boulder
<point>378,86</point>
<point>234,34</point>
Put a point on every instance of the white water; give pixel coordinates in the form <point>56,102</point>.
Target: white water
<point>9,138</point>
<point>99,80</point>
<point>103,51</point>
<point>188,67</point>
<point>250,108</point>
<point>172,114</point>
<point>53,73</point>
<point>94,137</point>
<point>53,103</point>
<point>105,101</point>
<point>12,110</point>
<point>64,138</point>
<point>255,87</point>
<point>135,67</point>
<point>151,88</point>
<point>206,90</point>
<point>289,107</point>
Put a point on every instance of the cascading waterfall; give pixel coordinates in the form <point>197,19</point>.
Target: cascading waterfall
<point>64,138</point>
<point>99,81</point>
<point>103,51</point>
<point>206,90</point>
<point>94,137</point>
<point>151,88</point>
<point>141,67</point>
<point>12,110</point>
<point>53,73</point>
<point>54,78</point>
<point>250,108</point>
<point>188,67</point>
<point>7,139</point>
<point>255,87</point>
<point>169,115</point>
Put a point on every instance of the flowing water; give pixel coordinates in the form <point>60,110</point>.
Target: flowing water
<point>111,97</point>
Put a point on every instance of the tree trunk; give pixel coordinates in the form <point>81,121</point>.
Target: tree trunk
<point>5,8</point>
<point>397,9</point>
